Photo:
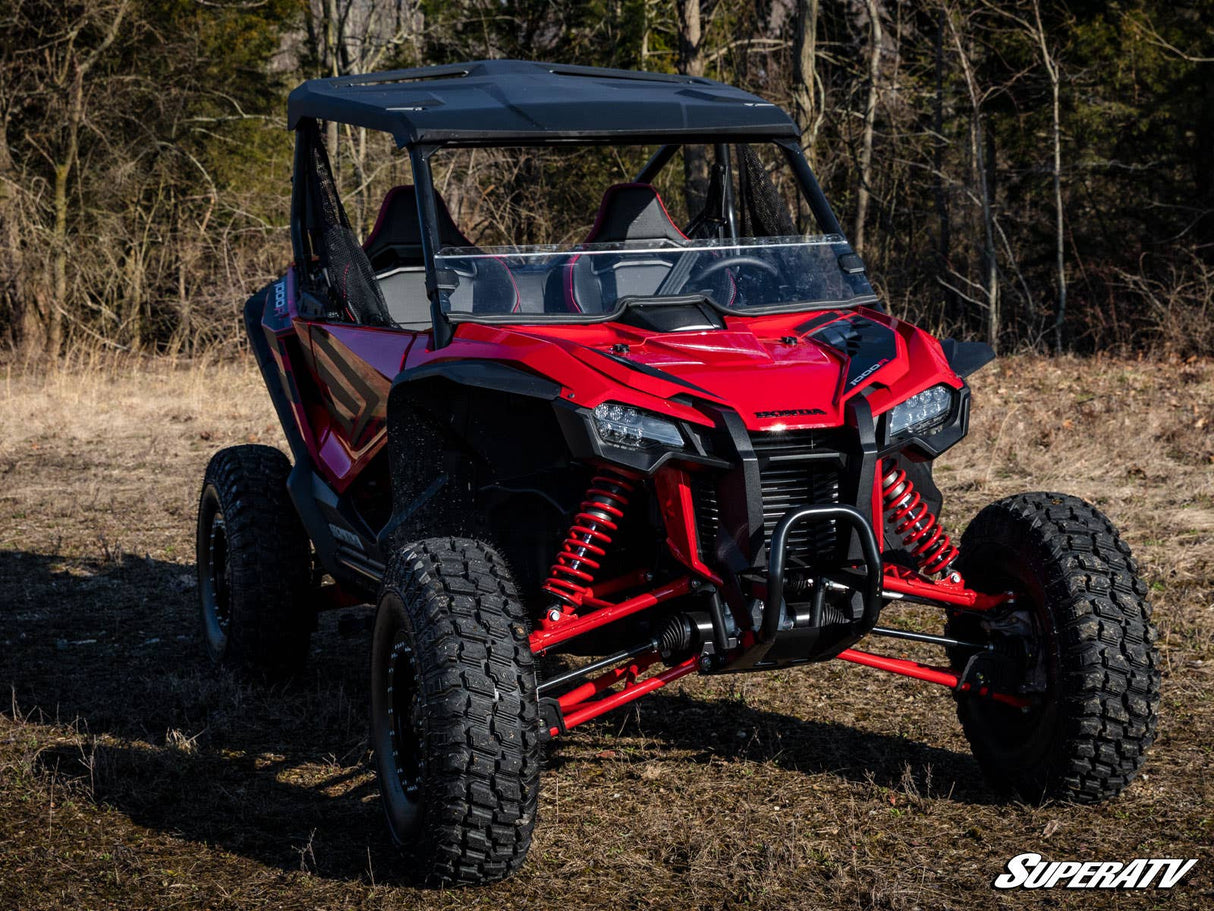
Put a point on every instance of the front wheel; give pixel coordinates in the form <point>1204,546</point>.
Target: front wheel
<point>454,712</point>
<point>1081,634</point>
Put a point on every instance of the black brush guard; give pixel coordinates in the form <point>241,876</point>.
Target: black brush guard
<point>814,641</point>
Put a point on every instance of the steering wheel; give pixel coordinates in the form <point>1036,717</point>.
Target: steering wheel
<point>738,260</point>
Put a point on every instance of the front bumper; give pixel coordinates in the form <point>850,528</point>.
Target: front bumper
<point>787,636</point>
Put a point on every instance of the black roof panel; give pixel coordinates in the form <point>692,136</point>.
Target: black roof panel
<point>496,101</point>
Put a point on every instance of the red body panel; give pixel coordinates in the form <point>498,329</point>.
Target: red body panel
<point>354,367</point>
<point>674,498</point>
<point>757,365</point>
<point>760,366</point>
<point>749,366</point>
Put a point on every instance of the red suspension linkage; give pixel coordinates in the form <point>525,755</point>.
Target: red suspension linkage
<point>914,521</point>
<point>635,579</point>
<point>597,520</point>
<point>630,671</point>
<point>926,672</point>
<point>549,634</point>
<point>898,580</point>
<point>633,689</point>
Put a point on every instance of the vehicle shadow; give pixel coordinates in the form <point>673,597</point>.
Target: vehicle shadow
<point>278,773</point>
<point>728,729</point>
<point>108,651</point>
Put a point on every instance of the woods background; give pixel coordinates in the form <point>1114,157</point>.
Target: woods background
<point>1039,174</point>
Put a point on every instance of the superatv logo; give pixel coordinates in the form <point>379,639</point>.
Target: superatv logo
<point>789,413</point>
<point>1031,871</point>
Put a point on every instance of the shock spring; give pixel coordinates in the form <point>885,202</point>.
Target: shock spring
<point>594,525</point>
<point>914,522</point>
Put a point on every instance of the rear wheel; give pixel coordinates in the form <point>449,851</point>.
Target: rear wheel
<point>1081,638</point>
<point>254,564</point>
<point>454,712</point>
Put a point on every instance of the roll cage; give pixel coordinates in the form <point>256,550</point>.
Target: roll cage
<point>514,104</point>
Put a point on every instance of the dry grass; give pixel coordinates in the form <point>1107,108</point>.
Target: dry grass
<point>133,775</point>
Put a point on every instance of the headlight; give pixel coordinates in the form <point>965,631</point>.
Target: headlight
<point>623,425</point>
<point>925,411</point>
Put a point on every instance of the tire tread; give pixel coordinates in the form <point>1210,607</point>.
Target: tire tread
<point>478,680</point>
<point>1109,666</point>
<point>270,560</point>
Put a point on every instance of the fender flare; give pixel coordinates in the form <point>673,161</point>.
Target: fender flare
<point>486,374</point>
<point>966,358</point>
<point>415,390</point>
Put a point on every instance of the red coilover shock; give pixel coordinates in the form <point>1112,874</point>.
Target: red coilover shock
<point>919,529</point>
<point>596,522</point>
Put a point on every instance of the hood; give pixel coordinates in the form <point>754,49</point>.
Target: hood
<point>774,375</point>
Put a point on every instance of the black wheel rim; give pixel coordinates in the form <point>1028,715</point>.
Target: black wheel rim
<point>1011,729</point>
<point>215,576</point>
<point>405,730</point>
<point>398,721</point>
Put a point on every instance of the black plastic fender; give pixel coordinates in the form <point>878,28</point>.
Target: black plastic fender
<point>305,488</point>
<point>967,357</point>
<point>438,442</point>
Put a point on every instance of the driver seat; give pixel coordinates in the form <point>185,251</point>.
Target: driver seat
<point>632,214</point>
<point>394,247</point>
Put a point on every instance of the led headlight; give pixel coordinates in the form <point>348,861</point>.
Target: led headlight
<point>623,425</point>
<point>925,411</point>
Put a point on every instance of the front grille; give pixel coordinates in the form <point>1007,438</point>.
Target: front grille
<point>798,444</point>
<point>708,511</point>
<point>787,485</point>
<point>796,468</point>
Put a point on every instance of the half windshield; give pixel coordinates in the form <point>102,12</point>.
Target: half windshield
<point>595,280</point>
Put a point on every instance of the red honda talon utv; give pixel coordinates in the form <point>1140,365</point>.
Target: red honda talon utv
<point>677,435</point>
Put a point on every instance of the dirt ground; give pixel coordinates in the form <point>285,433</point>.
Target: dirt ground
<point>134,775</point>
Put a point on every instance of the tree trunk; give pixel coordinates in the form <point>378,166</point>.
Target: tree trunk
<point>329,61</point>
<point>939,192</point>
<point>870,117</point>
<point>985,162</point>
<point>691,63</point>
<point>73,73</point>
<point>983,168</point>
<point>807,87</point>
<point>53,320</point>
<point>185,329</point>
<point>136,270</point>
<point>1060,227</point>
<point>1051,68</point>
<point>12,295</point>
<point>646,28</point>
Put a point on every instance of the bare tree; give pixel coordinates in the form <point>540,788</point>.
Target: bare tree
<point>809,94</point>
<point>14,202</point>
<point>692,18</point>
<point>72,45</point>
<point>979,156</point>
<point>875,39</point>
<point>1034,29</point>
<point>940,143</point>
<point>359,36</point>
<point>1051,67</point>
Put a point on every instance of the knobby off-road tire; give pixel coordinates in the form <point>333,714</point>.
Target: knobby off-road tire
<point>254,564</point>
<point>1077,578</point>
<point>454,712</point>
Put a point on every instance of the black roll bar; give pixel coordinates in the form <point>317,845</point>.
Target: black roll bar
<point>427,213</point>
